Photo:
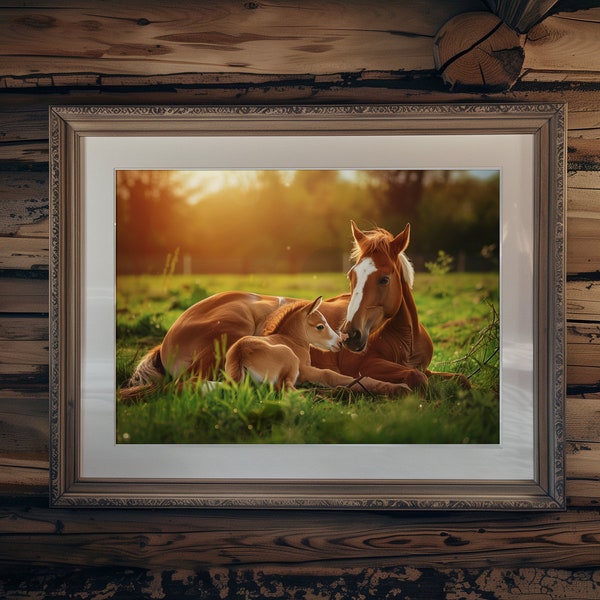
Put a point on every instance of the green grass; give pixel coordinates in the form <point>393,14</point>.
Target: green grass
<point>459,310</point>
<point>246,413</point>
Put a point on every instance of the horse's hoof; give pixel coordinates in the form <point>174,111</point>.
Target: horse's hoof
<point>463,381</point>
<point>401,389</point>
<point>417,380</point>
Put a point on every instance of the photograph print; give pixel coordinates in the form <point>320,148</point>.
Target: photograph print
<point>307,306</point>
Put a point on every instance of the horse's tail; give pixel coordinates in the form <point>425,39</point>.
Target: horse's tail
<point>146,376</point>
<point>234,366</point>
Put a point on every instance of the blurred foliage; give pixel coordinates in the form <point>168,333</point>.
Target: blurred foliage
<point>441,265</point>
<point>297,221</point>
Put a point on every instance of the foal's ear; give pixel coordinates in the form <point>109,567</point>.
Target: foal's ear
<point>401,241</point>
<point>315,305</point>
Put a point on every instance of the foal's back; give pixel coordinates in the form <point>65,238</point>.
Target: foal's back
<point>278,356</point>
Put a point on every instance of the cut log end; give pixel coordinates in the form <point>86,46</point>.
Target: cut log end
<point>478,52</point>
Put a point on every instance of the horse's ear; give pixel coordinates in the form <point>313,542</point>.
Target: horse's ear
<point>401,241</point>
<point>357,234</point>
<point>315,305</point>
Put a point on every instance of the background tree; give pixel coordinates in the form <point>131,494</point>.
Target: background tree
<point>294,221</point>
<point>150,216</point>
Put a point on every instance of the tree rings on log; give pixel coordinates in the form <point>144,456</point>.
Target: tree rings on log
<point>478,52</point>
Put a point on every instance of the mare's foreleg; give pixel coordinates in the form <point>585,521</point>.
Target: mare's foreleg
<point>387,370</point>
<point>310,374</point>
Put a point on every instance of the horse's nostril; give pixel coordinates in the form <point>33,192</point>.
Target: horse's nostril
<point>354,341</point>
<point>354,335</point>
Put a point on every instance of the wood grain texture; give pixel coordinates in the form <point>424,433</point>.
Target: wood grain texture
<point>184,40</point>
<point>583,256</point>
<point>24,253</point>
<point>23,295</point>
<point>583,419</point>
<point>583,493</point>
<point>583,350</point>
<point>564,43</point>
<point>26,355</point>
<point>583,300</point>
<point>583,459</point>
<point>583,151</point>
<point>23,328</point>
<point>191,539</point>
<point>521,15</point>
<point>24,202</point>
<point>183,37</point>
<point>477,51</point>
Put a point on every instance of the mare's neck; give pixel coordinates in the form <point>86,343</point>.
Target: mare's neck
<point>407,315</point>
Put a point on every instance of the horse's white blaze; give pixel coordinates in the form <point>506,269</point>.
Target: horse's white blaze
<point>362,271</point>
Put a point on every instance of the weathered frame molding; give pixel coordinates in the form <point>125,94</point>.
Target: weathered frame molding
<point>544,122</point>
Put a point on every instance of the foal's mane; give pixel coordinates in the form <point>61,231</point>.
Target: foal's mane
<point>276,319</point>
<point>379,239</point>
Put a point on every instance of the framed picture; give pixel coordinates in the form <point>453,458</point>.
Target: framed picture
<point>345,307</point>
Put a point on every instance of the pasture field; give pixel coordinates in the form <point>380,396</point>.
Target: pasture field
<point>460,311</point>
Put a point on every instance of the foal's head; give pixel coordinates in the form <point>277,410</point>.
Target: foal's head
<point>375,282</point>
<point>318,331</point>
<point>303,322</point>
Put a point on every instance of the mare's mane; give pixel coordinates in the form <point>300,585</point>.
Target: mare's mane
<point>379,239</point>
<point>276,319</point>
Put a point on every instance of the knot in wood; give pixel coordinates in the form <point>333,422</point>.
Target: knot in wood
<point>478,52</point>
<point>37,21</point>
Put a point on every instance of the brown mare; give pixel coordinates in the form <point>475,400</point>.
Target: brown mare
<point>281,354</point>
<point>379,319</point>
<point>384,340</point>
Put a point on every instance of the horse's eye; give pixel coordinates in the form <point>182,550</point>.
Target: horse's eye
<point>384,280</point>
<point>320,327</point>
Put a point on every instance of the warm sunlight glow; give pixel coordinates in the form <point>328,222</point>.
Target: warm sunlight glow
<point>200,184</point>
<point>296,220</point>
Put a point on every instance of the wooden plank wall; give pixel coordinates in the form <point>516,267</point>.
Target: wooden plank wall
<point>254,52</point>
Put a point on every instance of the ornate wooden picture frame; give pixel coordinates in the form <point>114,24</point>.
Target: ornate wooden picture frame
<point>525,143</point>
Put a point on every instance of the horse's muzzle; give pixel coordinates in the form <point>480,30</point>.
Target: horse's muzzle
<point>355,341</point>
